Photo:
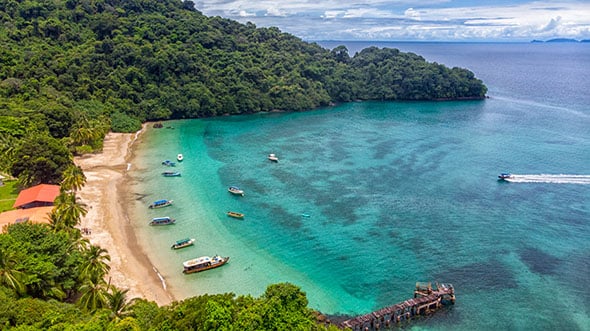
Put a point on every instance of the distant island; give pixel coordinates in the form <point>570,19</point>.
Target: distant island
<point>561,40</point>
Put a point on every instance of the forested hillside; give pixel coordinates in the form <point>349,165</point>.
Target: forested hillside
<point>160,59</point>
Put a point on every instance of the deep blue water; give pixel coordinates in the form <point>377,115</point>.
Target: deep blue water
<point>397,192</point>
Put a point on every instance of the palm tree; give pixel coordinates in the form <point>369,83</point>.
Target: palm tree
<point>118,304</point>
<point>68,209</point>
<point>9,275</point>
<point>73,179</point>
<point>95,265</point>
<point>8,147</point>
<point>94,294</point>
<point>55,221</point>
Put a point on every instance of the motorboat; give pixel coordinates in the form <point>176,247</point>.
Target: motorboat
<point>166,220</point>
<point>179,157</point>
<point>235,190</point>
<point>183,243</point>
<point>169,163</point>
<point>171,174</point>
<point>504,176</point>
<point>235,214</point>
<point>203,263</point>
<point>161,203</point>
<point>273,158</point>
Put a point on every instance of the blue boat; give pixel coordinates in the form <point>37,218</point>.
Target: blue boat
<point>169,163</point>
<point>171,174</point>
<point>162,221</point>
<point>161,203</point>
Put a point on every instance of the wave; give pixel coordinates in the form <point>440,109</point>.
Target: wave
<point>555,179</point>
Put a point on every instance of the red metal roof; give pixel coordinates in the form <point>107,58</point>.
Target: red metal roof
<point>39,193</point>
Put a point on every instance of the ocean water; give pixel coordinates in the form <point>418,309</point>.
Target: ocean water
<point>370,197</point>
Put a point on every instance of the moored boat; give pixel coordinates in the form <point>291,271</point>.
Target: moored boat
<point>504,176</point>
<point>171,174</point>
<point>183,243</point>
<point>166,220</point>
<point>203,263</point>
<point>169,163</point>
<point>235,190</point>
<point>273,158</point>
<point>235,214</point>
<point>160,203</point>
<point>180,157</point>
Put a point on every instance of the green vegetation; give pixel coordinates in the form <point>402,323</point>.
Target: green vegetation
<point>72,70</point>
<point>8,194</point>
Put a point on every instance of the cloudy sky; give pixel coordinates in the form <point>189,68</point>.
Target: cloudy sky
<point>399,20</point>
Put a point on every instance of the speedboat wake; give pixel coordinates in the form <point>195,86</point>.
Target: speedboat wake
<point>544,178</point>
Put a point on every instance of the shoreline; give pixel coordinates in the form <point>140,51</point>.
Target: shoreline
<point>105,195</point>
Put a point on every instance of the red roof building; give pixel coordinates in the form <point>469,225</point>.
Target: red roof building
<point>37,196</point>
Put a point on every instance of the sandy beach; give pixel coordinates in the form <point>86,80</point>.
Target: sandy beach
<point>108,222</point>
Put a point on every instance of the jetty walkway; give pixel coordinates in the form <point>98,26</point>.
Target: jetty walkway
<point>426,300</point>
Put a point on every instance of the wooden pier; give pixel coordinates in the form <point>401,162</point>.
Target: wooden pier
<point>426,300</point>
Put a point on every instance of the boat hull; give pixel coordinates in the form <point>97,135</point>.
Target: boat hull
<point>183,244</point>
<point>233,214</point>
<point>205,267</point>
<point>157,204</point>
<point>235,191</point>
<point>162,221</point>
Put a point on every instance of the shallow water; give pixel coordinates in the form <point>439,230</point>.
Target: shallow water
<point>370,197</point>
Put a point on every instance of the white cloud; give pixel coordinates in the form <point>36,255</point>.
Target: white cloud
<point>244,13</point>
<point>412,14</point>
<point>274,11</point>
<point>407,20</point>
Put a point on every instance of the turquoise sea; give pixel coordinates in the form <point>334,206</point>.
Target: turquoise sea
<point>370,197</point>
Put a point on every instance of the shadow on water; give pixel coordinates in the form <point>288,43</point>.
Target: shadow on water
<point>539,261</point>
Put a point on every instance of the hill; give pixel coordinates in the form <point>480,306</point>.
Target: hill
<point>160,59</point>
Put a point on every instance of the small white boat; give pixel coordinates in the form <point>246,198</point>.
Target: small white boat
<point>183,243</point>
<point>504,176</point>
<point>235,190</point>
<point>273,158</point>
<point>180,157</point>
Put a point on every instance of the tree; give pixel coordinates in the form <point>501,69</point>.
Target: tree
<point>94,294</point>
<point>67,211</point>
<point>41,159</point>
<point>118,304</point>
<point>95,263</point>
<point>73,178</point>
<point>9,275</point>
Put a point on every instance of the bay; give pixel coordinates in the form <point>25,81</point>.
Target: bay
<point>370,197</point>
